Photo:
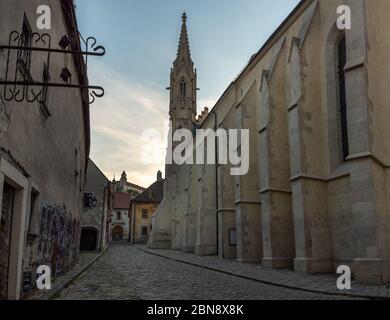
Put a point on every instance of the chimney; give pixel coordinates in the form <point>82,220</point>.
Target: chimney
<point>159,176</point>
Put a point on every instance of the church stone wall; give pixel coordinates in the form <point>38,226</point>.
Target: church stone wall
<point>301,205</point>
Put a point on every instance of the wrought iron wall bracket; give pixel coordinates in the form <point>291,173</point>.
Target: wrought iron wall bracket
<point>94,91</point>
<point>21,86</point>
<point>101,50</point>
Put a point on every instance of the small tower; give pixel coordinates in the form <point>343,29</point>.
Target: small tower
<point>159,176</point>
<point>123,181</point>
<point>183,88</point>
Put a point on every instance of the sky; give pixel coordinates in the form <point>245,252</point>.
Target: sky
<point>141,39</point>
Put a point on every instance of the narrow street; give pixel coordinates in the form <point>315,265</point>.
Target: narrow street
<point>126,272</point>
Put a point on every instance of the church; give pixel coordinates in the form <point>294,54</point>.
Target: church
<point>317,194</point>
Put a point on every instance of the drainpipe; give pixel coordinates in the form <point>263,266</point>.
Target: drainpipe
<point>216,179</point>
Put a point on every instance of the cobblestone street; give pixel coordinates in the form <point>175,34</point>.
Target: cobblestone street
<point>125,272</point>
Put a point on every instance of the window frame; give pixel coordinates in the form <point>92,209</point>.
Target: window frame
<point>24,56</point>
<point>144,213</point>
<point>90,206</point>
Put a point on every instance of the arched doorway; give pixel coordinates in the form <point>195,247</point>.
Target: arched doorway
<point>88,239</point>
<point>117,233</point>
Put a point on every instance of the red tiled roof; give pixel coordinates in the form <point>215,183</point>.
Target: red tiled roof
<point>122,200</point>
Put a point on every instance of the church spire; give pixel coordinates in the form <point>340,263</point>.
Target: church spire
<point>183,89</point>
<point>183,52</point>
<point>183,84</point>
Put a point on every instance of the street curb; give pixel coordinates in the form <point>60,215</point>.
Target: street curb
<point>268,282</point>
<point>51,294</point>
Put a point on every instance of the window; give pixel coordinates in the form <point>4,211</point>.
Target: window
<point>183,89</point>
<point>144,213</point>
<point>118,216</point>
<point>88,200</point>
<point>24,56</point>
<point>342,60</point>
<point>144,231</point>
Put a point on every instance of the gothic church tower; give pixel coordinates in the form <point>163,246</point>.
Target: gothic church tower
<point>182,105</point>
<point>182,108</point>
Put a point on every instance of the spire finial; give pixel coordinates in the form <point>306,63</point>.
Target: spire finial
<point>183,53</point>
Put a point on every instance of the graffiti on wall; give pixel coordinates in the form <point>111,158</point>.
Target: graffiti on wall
<point>5,237</point>
<point>58,239</point>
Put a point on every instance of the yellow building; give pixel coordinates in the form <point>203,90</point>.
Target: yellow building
<point>142,209</point>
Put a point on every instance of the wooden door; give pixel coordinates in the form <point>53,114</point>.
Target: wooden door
<point>117,233</point>
<point>88,240</point>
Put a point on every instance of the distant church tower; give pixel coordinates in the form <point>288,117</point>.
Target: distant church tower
<point>123,181</point>
<point>182,108</point>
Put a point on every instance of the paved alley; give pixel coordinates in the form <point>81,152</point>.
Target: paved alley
<point>126,272</point>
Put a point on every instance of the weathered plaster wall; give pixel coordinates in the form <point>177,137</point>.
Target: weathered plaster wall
<point>141,222</point>
<point>96,217</point>
<point>50,152</point>
<point>123,222</point>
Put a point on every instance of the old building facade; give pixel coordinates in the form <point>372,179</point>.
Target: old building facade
<point>317,192</point>
<point>142,209</point>
<point>44,149</point>
<point>120,224</point>
<point>97,210</point>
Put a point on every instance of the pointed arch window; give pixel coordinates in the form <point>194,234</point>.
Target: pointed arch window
<point>183,89</point>
<point>342,60</point>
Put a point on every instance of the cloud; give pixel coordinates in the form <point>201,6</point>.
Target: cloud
<point>118,120</point>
